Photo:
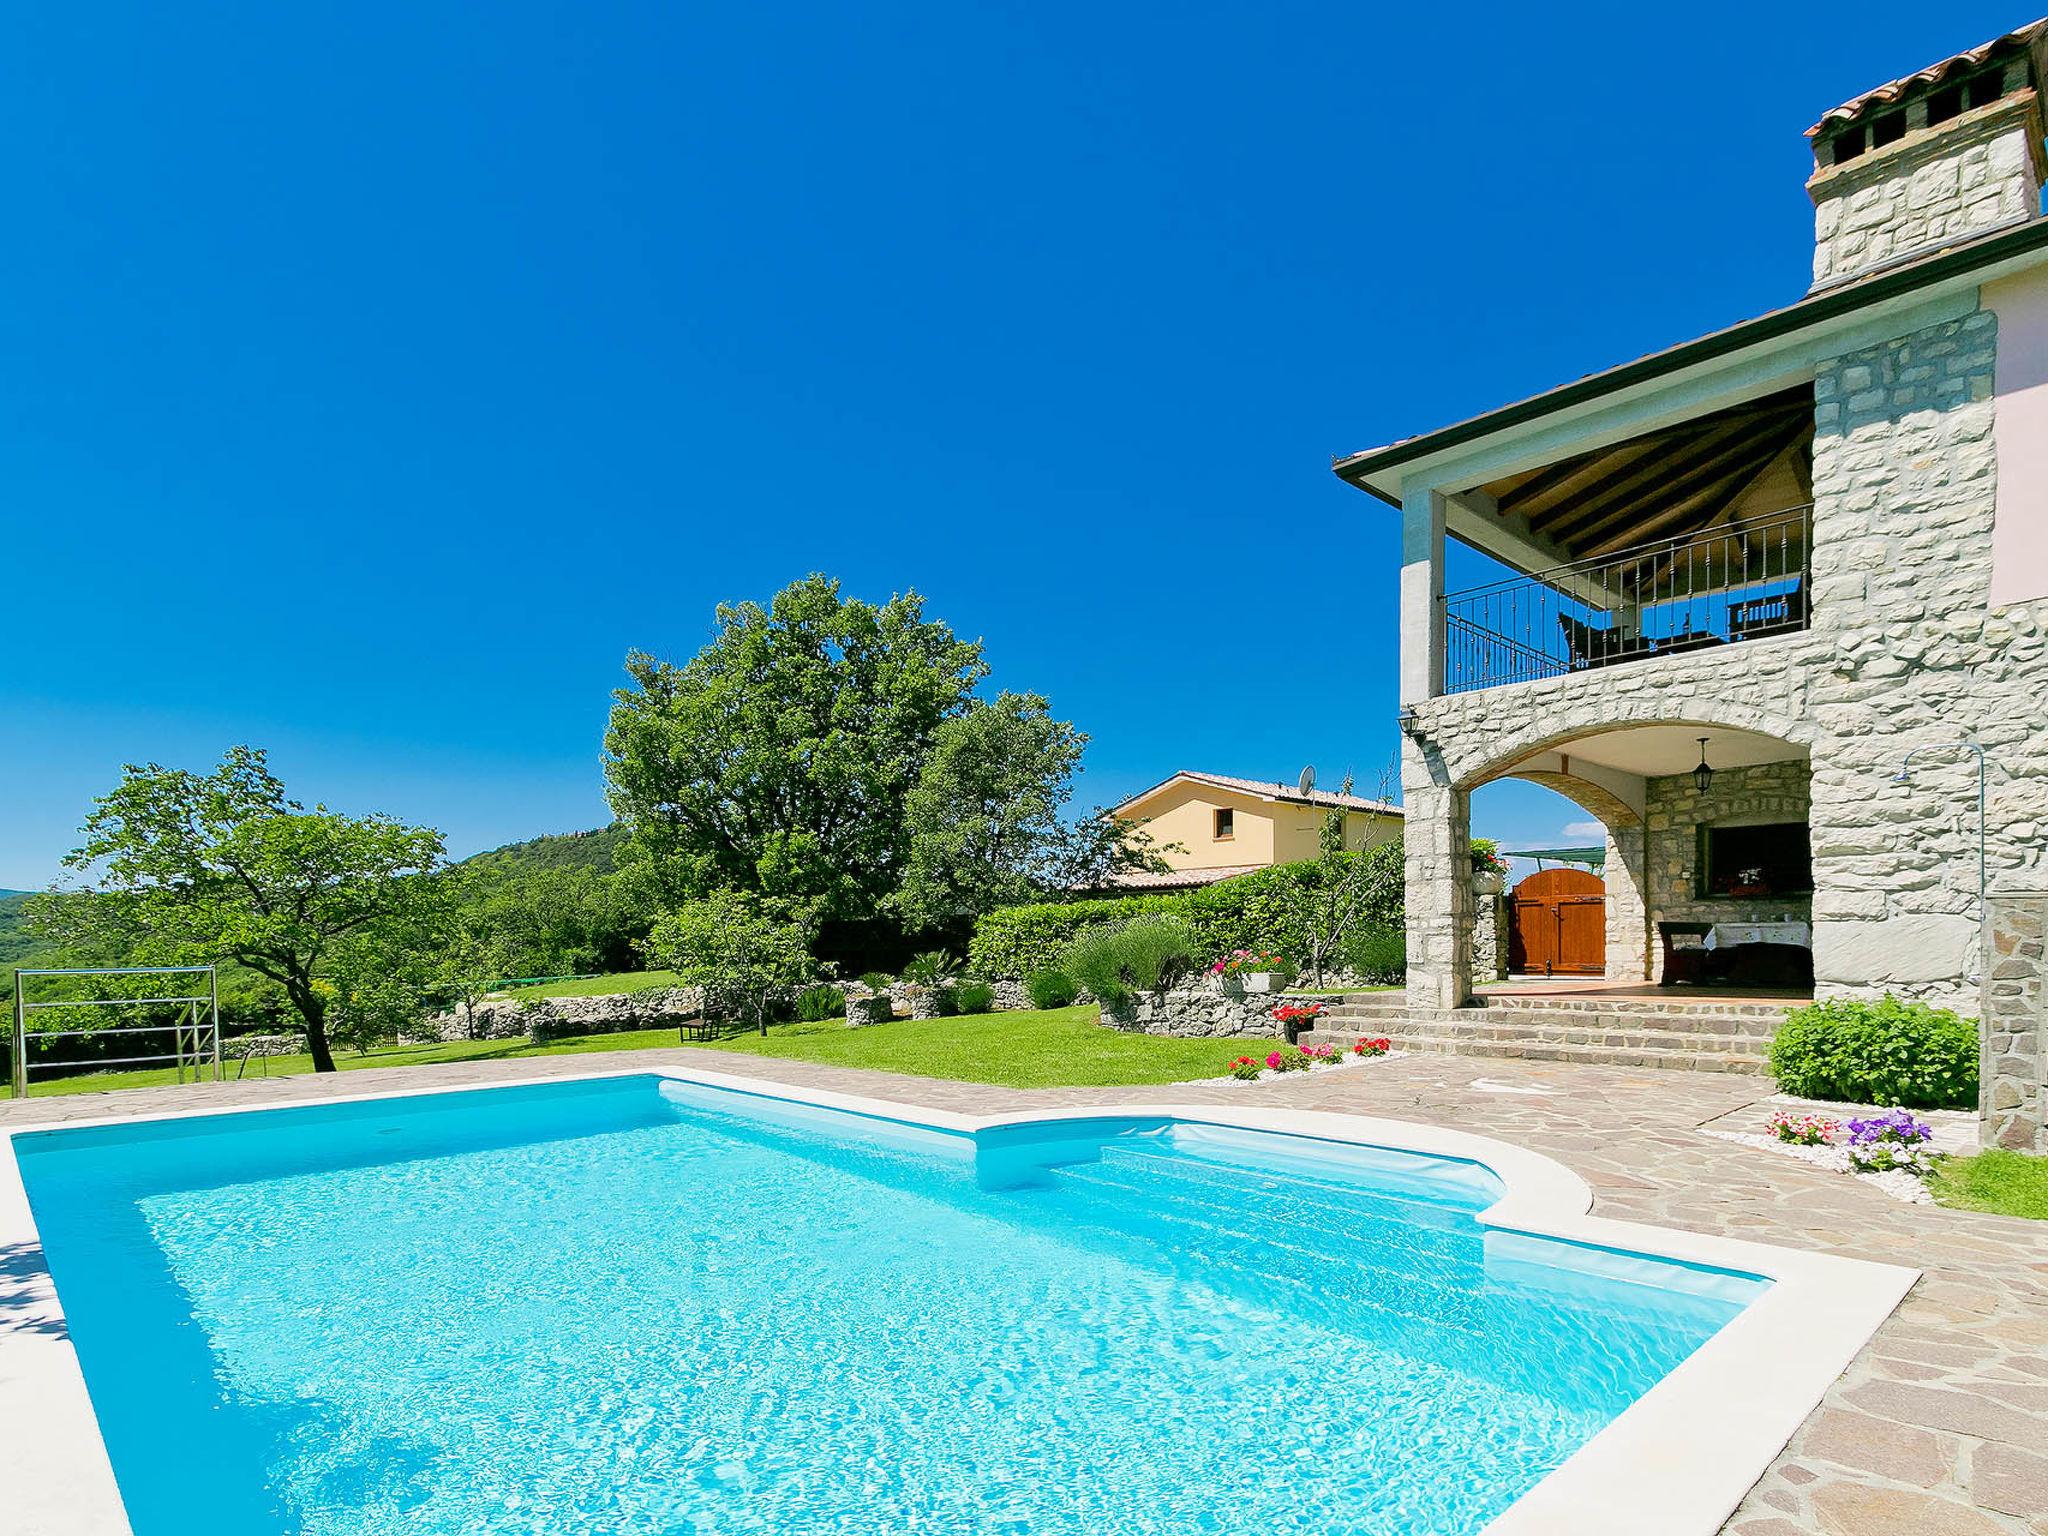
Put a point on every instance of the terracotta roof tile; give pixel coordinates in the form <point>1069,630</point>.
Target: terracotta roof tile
<point>1267,789</point>
<point>2029,36</point>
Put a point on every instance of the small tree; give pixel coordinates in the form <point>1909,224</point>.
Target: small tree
<point>748,953</point>
<point>202,867</point>
<point>1343,885</point>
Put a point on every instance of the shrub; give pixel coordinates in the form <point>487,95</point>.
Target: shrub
<point>1051,989</point>
<point>1276,908</point>
<point>931,969</point>
<point>1246,1069</point>
<point>1018,941</point>
<point>974,997</point>
<point>1141,955</point>
<point>1377,953</point>
<point>814,1005</point>
<point>877,981</point>
<point>1888,1052</point>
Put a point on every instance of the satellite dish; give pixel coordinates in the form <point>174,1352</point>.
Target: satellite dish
<point>1307,782</point>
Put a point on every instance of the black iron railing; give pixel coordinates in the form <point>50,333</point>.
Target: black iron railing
<point>1739,582</point>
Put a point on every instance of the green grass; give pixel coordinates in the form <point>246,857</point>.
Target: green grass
<point>2003,1183</point>
<point>377,1056</point>
<point>1058,1048</point>
<point>598,986</point>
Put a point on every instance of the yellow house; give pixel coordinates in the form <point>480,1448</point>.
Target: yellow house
<point>1208,827</point>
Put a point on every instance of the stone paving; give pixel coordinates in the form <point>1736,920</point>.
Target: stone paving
<point>1940,1427</point>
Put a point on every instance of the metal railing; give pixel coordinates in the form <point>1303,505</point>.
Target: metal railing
<point>194,1031</point>
<point>1739,582</point>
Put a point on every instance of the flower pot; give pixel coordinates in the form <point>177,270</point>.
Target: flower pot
<point>1264,981</point>
<point>1489,882</point>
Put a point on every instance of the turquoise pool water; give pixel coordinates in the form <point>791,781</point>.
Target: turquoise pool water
<point>643,1306</point>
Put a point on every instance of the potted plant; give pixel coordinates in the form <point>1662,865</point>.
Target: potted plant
<point>1489,869</point>
<point>1253,970</point>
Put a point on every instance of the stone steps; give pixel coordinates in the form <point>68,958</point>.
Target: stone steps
<point>1685,1051</point>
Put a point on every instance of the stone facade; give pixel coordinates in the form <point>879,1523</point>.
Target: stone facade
<point>1676,810</point>
<point>2013,1077</point>
<point>1489,935</point>
<point>1903,651</point>
<point>1927,189</point>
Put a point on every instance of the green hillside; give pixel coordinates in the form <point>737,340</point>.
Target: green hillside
<point>597,850</point>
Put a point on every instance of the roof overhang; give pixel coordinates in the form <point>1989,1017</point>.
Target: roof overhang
<point>1772,351</point>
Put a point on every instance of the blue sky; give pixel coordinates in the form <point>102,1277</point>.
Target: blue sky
<point>375,379</point>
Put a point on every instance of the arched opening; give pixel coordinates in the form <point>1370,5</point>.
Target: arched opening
<point>1706,871</point>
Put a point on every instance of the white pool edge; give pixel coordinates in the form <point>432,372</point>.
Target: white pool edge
<point>1677,1461</point>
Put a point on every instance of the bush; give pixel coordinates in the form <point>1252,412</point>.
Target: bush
<point>974,997</point>
<point>1889,1052</point>
<point>877,981</point>
<point>1051,989</point>
<point>1141,955</point>
<point>1018,941</point>
<point>1377,954</point>
<point>814,1005</point>
<point>1275,908</point>
<point>931,969</point>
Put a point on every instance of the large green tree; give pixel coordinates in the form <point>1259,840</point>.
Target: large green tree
<point>778,760</point>
<point>986,817</point>
<point>185,868</point>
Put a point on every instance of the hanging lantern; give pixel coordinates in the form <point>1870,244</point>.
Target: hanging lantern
<point>1703,776</point>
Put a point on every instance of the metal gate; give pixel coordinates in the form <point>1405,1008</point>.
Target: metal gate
<point>195,1032</point>
<point>1559,924</point>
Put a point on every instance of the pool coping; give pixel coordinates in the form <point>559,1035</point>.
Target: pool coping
<point>1678,1460</point>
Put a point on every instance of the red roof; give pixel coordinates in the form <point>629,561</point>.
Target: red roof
<point>2029,36</point>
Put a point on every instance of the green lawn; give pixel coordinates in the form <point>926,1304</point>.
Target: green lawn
<point>1062,1048</point>
<point>2004,1183</point>
<point>1059,1048</point>
<point>379,1056</point>
<point>598,986</point>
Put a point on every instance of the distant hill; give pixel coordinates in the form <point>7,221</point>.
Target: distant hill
<point>17,945</point>
<point>596,850</point>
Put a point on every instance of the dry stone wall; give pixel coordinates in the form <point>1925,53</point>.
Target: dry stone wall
<point>2013,1077</point>
<point>542,1018</point>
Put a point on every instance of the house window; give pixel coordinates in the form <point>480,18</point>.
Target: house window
<point>1226,825</point>
<point>1766,861</point>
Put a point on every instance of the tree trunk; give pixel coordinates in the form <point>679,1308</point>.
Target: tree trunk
<point>313,1014</point>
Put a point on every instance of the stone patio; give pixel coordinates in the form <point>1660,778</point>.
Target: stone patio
<point>1940,1428</point>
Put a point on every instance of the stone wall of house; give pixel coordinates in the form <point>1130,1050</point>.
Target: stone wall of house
<point>1904,651</point>
<point>1675,810</point>
<point>2013,1075</point>
<point>1973,175</point>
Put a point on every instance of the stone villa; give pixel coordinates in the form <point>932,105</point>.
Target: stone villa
<point>1742,580</point>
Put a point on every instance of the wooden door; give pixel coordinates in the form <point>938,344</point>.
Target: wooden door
<point>1559,925</point>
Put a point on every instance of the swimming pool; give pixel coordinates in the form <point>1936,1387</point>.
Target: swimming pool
<point>650,1304</point>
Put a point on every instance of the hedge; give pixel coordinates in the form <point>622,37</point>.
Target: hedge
<point>1014,942</point>
<point>1266,909</point>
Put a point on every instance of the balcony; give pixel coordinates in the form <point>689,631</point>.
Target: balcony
<point>1736,582</point>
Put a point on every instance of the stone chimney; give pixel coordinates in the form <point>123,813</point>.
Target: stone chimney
<point>1951,152</point>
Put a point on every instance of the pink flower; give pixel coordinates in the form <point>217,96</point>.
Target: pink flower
<point>1273,1061</point>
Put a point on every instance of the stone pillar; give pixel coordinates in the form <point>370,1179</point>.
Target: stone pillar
<point>1437,843</point>
<point>1422,591</point>
<point>1489,933</point>
<point>2012,1091</point>
<point>1628,913</point>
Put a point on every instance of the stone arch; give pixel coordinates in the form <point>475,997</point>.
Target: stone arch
<point>1491,756</point>
<point>1628,908</point>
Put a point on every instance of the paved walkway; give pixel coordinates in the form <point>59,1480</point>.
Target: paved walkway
<point>1940,1428</point>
